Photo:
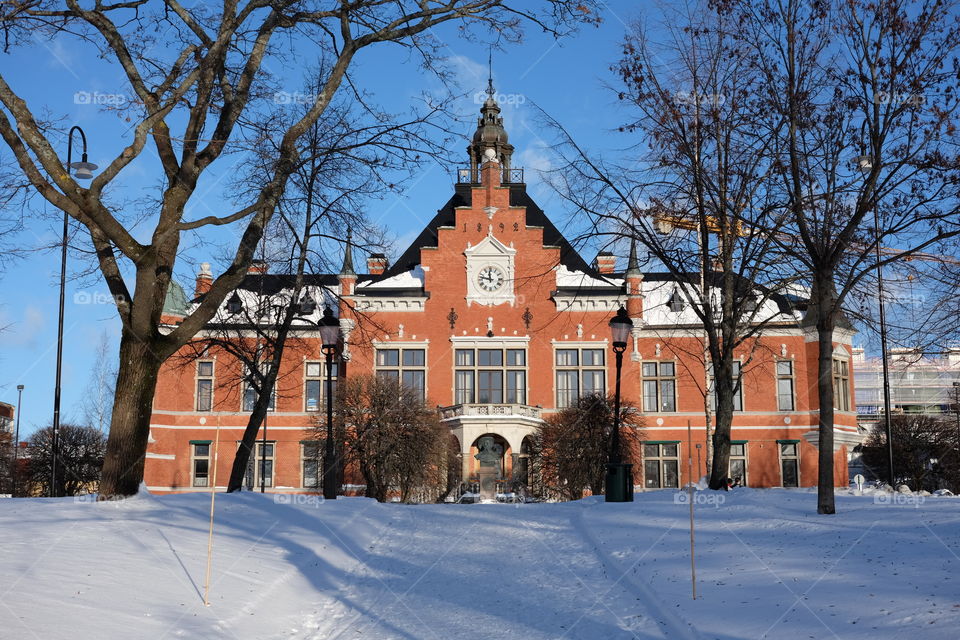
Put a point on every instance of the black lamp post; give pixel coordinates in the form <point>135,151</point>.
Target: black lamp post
<point>16,441</point>
<point>329,333</point>
<point>619,479</point>
<point>84,171</point>
<point>956,408</point>
<point>866,164</point>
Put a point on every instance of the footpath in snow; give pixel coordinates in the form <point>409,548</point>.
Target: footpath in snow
<point>767,566</point>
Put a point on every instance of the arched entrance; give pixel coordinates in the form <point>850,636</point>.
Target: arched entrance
<point>490,464</point>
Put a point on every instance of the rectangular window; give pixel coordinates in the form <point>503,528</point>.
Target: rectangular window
<point>841,385</point>
<point>311,463</point>
<point>738,392</point>
<point>738,463</point>
<point>580,372</point>
<point>404,366</point>
<point>661,465</point>
<point>204,386</point>
<point>316,384</point>
<point>250,390</point>
<point>785,385</point>
<point>200,463</point>
<point>789,463</point>
<point>490,376</point>
<point>260,466</point>
<point>659,383</point>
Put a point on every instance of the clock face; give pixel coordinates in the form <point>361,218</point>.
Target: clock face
<point>490,278</point>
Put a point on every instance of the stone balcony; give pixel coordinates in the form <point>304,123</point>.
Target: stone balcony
<point>490,411</point>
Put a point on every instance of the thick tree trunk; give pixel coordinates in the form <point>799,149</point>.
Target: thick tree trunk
<point>825,326</point>
<point>130,423</point>
<point>724,388</point>
<point>245,450</point>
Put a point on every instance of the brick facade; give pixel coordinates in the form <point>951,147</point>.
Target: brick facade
<point>490,272</point>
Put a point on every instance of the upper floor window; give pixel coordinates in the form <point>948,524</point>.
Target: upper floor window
<point>738,387</point>
<point>580,372</point>
<point>250,386</point>
<point>659,381</point>
<point>316,383</point>
<point>490,376</point>
<point>785,400</point>
<point>405,366</point>
<point>841,385</point>
<point>204,385</point>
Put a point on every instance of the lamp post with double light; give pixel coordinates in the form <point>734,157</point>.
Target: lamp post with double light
<point>329,334</point>
<point>619,478</point>
<point>865,163</point>
<point>16,441</point>
<point>84,171</point>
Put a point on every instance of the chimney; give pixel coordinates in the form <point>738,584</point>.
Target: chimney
<point>605,262</point>
<point>377,264</point>
<point>204,280</point>
<point>258,267</point>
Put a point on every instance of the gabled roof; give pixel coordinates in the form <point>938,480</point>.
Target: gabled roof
<point>446,217</point>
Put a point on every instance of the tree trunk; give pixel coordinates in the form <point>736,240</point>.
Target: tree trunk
<point>244,451</point>
<point>724,387</point>
<point>130,422</point>
<point>825,326</point>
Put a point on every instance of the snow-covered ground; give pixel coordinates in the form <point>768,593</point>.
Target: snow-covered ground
<point>767,566</point>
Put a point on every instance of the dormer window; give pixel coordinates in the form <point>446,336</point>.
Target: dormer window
<point>750,305</point>
<point>675,303</point>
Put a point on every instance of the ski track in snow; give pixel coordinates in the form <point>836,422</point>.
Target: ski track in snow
<point>767,567</point>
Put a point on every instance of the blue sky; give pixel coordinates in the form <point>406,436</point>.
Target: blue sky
<point>568,79</point>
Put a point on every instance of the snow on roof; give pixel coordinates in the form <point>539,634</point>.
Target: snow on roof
<point>412,279</point>
<point>567,278</point>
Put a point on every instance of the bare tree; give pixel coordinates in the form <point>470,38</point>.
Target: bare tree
<point>203,70</point>
<point>393,437</point>
<point>694,193</point>
<point>97,401</point>
<point>925,451</point>
<point>80,452</point>
<point>861,98</point>
<point>573,445</point>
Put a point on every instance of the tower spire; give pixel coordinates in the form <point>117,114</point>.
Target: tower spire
<point>347,269</point>
<point>633,265</point>
<point>490,133</point>
<point>490,90</point>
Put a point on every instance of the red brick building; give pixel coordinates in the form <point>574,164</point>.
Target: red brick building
<point>498,321</point>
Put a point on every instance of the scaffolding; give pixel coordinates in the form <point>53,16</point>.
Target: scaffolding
<point>919,383</point>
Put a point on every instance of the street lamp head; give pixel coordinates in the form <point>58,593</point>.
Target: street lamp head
<point>83,169</point>
<point>864,163</point>
<point>19,387</point>
<point>329,329</point>
<point>620,326</point>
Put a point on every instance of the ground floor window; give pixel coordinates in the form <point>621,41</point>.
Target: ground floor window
<point>200,462</point>
<point>661,465</point>
<point>311,463</point>
<point>738,463</point>
<point>260,466</point>
<point>789,462</point>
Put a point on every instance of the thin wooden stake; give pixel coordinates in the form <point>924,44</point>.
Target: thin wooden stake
<point>213,493</point>
<point>693,563</point>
